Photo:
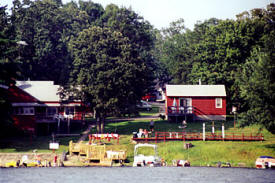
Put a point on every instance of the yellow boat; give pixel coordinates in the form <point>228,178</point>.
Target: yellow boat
<point>11,164</point>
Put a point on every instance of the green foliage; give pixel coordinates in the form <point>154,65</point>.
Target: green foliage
<point>258,86</point>
<point>218,52</point>
<point>8,71</point>
<point>141,38</point>
<point>106,70</point>
<point>48,27</point>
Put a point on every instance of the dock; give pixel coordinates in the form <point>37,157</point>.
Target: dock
<point>197,136</point>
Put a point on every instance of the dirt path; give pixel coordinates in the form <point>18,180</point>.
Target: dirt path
<point>85,133</point>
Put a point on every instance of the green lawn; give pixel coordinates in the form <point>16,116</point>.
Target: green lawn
<point>202,154</point>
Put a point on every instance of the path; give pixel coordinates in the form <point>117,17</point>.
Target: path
<point>85,133</point>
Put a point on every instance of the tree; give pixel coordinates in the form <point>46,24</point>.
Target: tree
<point>258,86</point>
<point>43,25</point>
<point>141,37</point>
<point>8,70</point>
<point>106,71</point>
<point>93,10</point>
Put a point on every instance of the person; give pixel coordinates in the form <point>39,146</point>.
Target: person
<point>25,161</point>
<point>163,162</point>
<point>55,160</point>
<point>38,159</point>
<point>152,124</point>
<point>140,133</point>
<point>184,124</point>
<point>145,132</point>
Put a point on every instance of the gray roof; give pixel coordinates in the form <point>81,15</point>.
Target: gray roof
<point>195,90</point>
<point>41,90</point>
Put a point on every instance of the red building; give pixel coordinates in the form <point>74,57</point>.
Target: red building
<point>39,102</point>
<point>195,102</point>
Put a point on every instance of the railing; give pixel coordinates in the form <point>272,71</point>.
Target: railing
<point>177,110</point>
<point>53,118</point>
<point>44,118</point>
<point>186,136</point>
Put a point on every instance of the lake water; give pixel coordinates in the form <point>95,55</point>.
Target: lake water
<point>136,174</point>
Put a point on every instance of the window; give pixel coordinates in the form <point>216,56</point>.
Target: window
<point>218,102</point>
<point>51,111</point>
<point>69,110</point>
<point>186,105</point>
<point>28,111</point>
<point>23,111</point>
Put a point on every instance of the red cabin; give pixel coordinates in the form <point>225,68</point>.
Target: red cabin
<point>195,102</point>
<point>39,102</point>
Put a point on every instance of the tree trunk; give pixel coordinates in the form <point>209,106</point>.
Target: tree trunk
<point>98,126</point>
<point>102,124</point>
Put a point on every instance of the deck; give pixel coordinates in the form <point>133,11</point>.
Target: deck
<point>191,136</point>
<point>180,110</point>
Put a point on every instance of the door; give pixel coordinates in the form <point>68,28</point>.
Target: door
<point>185,105</point>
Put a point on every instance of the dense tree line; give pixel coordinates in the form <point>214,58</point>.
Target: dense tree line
<point>237,53</point>
<point>114,55</point>
<point>106,52</point>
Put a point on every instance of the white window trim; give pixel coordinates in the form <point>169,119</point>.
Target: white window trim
<point>218,101</point>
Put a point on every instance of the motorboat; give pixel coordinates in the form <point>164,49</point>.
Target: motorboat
<point>146,160</point>
<point>265,162</point>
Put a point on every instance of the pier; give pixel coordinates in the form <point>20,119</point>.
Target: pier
<point>191,136</point>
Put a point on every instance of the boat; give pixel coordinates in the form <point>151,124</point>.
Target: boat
<point>265,162</point>
<point>146,160</point>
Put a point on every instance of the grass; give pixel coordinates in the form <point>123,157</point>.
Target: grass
<point>206,153</point>
<point>202,154</point>
<point>154,111</point>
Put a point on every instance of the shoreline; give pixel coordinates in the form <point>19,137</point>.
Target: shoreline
<point>49,157</point>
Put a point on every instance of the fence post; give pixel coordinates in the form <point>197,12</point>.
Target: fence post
<point>203,131</point>
<point>213,127</point>
<point>223,134</point>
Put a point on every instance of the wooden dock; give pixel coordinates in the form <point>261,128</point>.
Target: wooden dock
<point>191,136</point>
<point>96,155</point>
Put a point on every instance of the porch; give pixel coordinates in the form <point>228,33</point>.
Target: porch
<point>180,110</point>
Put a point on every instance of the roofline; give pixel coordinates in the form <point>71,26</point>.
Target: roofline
<point>35,104</point>
<point>4,86</point>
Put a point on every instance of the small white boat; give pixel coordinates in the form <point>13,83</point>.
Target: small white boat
<point>150,160</point>
<point>265,162</point>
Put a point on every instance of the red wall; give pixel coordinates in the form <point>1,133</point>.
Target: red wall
<point>203,105</point>
<point>207,106</point>
<point>15,94</point>
<point>24,121</point>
